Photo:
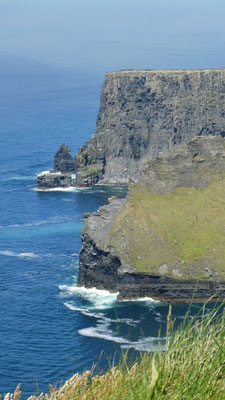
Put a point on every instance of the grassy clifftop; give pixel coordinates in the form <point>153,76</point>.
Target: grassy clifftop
<point>179,234</point>
<point>174,220</point>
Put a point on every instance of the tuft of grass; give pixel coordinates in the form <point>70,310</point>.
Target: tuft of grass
<point>90,170</point>
<point>192,367</point>
<point>185,229</point>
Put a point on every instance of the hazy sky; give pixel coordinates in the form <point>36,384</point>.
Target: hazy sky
<point>107,35</point>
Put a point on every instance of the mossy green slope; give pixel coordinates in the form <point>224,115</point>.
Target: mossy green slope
<point>180,233</point>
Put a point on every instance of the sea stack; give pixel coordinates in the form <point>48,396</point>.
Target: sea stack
<point>162,132</point>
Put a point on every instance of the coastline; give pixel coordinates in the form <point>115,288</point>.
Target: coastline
<point>162,133</point>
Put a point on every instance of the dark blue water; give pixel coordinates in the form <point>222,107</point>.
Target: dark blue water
<point>50,329</point>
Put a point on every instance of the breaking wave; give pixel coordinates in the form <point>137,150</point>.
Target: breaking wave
<point>58,189</point>
<point>21,255</point>
<point>53,220</point>
<point>100,299</point>
<point>105,328</point>
<point>102,329</point>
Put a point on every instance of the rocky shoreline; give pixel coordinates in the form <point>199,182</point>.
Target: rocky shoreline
<point>107,260</point>
<point>100,266</point>
<point>162,131</point>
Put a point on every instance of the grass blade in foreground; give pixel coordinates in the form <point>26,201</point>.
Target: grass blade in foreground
<point>192,367</point>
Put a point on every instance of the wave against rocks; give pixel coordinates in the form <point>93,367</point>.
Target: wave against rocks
<point>164,131</point>
<point>166,241</point>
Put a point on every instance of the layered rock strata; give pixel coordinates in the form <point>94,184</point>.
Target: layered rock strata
<point>167,240</point>
<point>144,113</point>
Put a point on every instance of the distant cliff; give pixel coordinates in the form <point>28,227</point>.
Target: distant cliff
<point>167,239</point>
<point>143,114</point>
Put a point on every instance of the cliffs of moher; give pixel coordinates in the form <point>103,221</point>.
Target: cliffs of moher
<point>162,133</point>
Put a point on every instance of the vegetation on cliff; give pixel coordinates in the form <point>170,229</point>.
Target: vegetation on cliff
<point>183,232</point>
<point>173,222</point>
<point>146,112</point>
<point>191,367</point>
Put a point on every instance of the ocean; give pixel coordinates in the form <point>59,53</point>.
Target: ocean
<point>49,328</point>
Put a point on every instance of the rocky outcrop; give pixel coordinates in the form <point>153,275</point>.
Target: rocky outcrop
<point>63,161</point>
<point>54,179</point>
<point>193,164</point>
<point>145,113</point>
<point>166,241</point>
<point>99,263</point>
<point>101,266</point>
<point>63,175</point>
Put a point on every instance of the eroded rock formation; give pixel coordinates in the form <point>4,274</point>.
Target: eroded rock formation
<point>166,240</point>
<point>144,114</point>
<point>63,161</point>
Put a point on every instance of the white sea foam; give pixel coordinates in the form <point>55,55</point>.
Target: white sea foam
<point>48,172</point>
<point>53,220</point>
<point>68,200</point>
<point>44,173</point>
<point>144,299</point>
<point>100,316</point>
<point>85,311</point>
<point>22,255</point>
<point>59,189</point>
<point>146,344</point>
<point>159,318</point>
<point>102,332</point>
<point>99,298</point>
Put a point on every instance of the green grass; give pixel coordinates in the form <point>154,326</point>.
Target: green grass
<point>90,170</point>
<point>185,229</point>
<point>191,368</point>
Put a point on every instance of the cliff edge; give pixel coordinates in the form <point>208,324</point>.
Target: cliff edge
<point>167,240</point>
<point>145,113</point>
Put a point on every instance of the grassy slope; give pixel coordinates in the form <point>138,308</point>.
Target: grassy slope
<point>192,367</point>
<point>185,229</point>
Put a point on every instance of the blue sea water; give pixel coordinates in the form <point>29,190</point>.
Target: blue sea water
<point>50,329</point>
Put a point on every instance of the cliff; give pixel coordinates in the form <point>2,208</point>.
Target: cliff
<point>167,240</point>
<point>143,114</point>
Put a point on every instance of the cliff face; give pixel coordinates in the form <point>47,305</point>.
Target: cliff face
<point>142,114</point>
<point>167,239</point>
<point>145,113</point>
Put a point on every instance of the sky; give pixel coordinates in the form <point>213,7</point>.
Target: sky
<point>118,34</point>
